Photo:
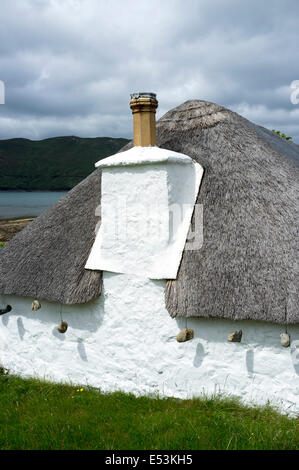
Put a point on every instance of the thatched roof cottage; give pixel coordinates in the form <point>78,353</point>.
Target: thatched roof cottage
<point>174,265</point>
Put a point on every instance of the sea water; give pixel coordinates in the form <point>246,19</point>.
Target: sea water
<point>15,204</point>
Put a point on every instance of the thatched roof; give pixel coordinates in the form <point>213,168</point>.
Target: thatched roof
<point>246,268</point>
<point>46,259</point>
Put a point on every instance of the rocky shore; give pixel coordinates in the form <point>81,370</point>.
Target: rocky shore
<point>10,227</point>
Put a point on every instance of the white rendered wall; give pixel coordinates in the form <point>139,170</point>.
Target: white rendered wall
<point>147,201</point>
<point>126,340</point>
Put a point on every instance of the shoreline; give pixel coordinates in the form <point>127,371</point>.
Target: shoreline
<point>10,227</point>
<point>17,219</point>
<point>35,190</point>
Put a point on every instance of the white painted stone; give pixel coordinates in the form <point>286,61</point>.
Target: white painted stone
<point>148,196</point>
<point>126,340</point>
<point>143,156</point>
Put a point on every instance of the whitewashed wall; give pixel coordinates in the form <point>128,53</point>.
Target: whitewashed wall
<point>126,340</point>
<point>147,201</point>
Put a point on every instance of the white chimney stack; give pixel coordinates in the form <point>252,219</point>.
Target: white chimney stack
<point>147,201</point>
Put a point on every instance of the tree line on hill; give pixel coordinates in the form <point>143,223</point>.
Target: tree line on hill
<point>54,164</point>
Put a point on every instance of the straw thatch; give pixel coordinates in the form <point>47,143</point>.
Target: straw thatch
<point>46,260</point>
<point>246,268</point>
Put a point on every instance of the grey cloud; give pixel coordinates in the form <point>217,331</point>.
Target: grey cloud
<point>70,65</point>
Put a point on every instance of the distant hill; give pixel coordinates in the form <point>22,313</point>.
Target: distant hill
<point>52,164</point>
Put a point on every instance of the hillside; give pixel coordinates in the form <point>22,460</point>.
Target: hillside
<point>57,163</point>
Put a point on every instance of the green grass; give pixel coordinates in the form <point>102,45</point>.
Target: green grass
<point>2,244</point>
<point>41,415</point>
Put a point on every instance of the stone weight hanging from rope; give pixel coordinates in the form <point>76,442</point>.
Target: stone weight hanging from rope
<point>62,327</point>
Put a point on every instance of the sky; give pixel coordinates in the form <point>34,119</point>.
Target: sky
<point>68,66</point>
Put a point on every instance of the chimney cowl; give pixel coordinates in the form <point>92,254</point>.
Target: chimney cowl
<point>135,96</point>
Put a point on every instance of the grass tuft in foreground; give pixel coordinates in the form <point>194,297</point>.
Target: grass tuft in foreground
<point>41,415</point>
